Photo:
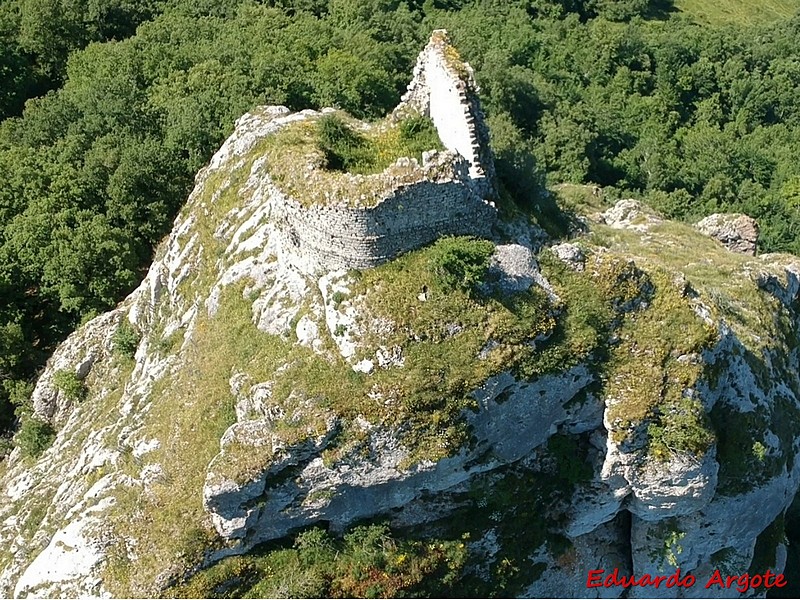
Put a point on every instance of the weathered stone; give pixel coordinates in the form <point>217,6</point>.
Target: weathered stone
<point>630,214</point>
<point>737,232</point>
<point>570,254</point>
<point>512,268</point>
<point>444,89</point>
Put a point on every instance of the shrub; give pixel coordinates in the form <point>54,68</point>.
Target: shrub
<point>34,437</point>
<point>460,262</point>
<point>681,427</point>
<point>344,148</point>
<point>19,394</point>
<point>759,451</point>
<point>418,134</point>
<point>126,339</point>
<point>69,383</point>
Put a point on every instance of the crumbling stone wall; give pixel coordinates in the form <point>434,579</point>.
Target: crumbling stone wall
<point>453,194</point>
<point>444,89</point>
<point>342,236</point>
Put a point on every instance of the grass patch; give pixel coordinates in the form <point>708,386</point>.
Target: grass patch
<point>367,562</point>
<point>34,436</point>
<point>442,338</point>
<point>68,382</point>
<point>349,150</point>
<point>650,369</point>
<point>126,339</point>
<point>334,158</point>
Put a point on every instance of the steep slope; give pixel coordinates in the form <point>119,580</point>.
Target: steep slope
<point>529,409</point>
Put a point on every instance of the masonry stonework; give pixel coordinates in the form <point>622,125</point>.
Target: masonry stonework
<point>451,193</point>
<point>444,89</point>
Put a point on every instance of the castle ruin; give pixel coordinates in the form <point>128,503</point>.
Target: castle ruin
<point>451,193</point>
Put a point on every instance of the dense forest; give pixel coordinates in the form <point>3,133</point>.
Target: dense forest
<point>109,108</point>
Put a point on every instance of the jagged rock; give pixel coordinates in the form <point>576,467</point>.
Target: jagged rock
<point>570,254</point>
<point>737,232</point>
<point>508,422</point>
<point>630,214</point>
<point>78,354</point>
<point>787,288</point>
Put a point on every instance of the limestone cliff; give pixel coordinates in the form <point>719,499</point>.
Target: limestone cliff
<point>313,349</point>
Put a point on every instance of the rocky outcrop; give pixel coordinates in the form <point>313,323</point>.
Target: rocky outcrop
<point>737,232</point>
<point>630,214</point>
<point>360,487</point>
<point>266,396</point>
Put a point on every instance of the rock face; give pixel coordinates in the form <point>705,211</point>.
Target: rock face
<point>737,232</point>
<point>622,404</point>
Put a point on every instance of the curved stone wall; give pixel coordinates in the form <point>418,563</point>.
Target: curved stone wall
<point>347,237</point>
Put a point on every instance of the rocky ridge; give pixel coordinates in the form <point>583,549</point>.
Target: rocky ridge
<point>619,400</point>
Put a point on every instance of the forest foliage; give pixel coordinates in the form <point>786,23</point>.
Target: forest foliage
<point>109,107</point>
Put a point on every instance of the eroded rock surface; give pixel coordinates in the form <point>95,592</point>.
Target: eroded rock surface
<point>737,232</point>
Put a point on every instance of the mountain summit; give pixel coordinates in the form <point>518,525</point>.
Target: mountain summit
<point>348,373</point>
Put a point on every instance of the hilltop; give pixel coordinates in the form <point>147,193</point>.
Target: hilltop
<point>485,410</point>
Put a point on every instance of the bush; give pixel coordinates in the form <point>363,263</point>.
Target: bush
<point>680,428</point>
<point>460,262</point>
<point>34,437</point>
<point>19,394</point>
<point>344,148</point>
<point>126,339</point>
<point>418,134</point>
<point>69,383</point>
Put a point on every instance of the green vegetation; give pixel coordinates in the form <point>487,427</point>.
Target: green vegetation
<point>108,110</point>
<point>343,147</point>
<point>126,339</point>
<point>332,157</point>
<point>740,448</point>
<point>460,263</point>
<point>348,150</point>
<point>368,562</point>
<point>665,538</point>
<point>34,436</point>
<point>70,384</point>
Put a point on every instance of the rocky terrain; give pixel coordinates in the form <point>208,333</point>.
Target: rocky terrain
<point>627,398</point>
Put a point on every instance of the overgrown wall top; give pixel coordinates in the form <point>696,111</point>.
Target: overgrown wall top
<point>341,236</point>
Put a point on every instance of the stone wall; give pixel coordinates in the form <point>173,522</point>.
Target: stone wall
<point>444,89</point>
<point>341,236</point>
